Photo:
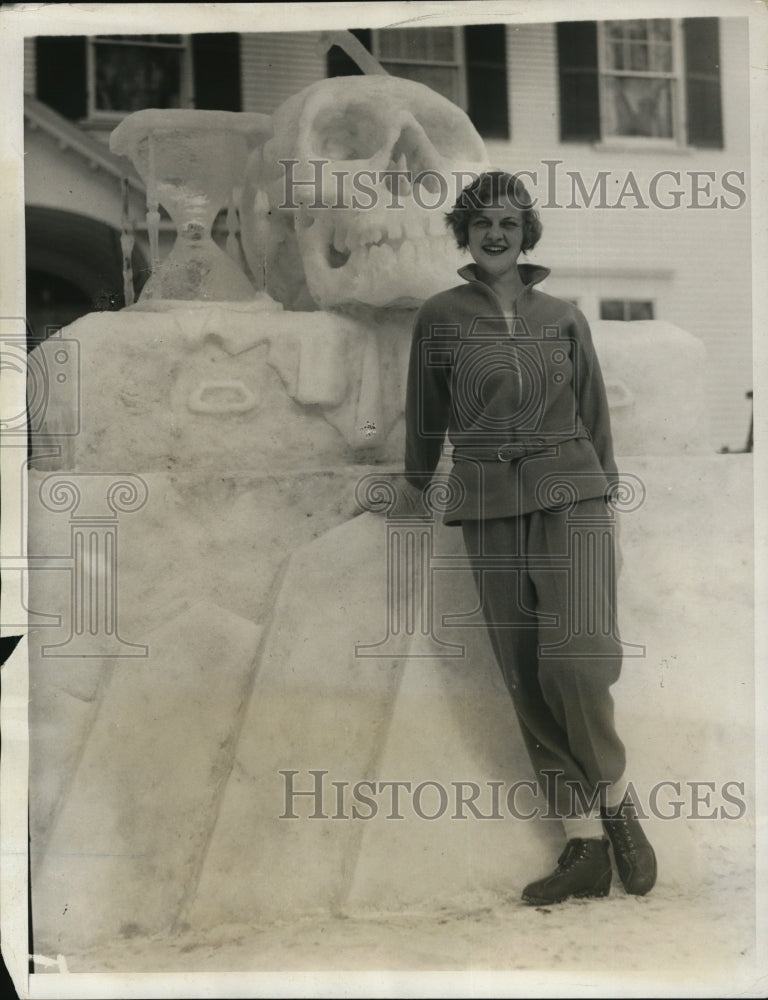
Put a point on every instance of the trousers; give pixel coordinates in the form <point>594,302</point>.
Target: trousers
<point>546,581</point>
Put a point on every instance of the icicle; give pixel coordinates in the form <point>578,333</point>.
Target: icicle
<point>126,244</point>
<point>233,229</point>
<point>261,236</point>
<point>153,215</point>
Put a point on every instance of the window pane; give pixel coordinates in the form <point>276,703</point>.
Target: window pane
<point>660,30</point>
<point>638,56</point>
<point>616,56</point>
<point>443,44</point>
<point>661,57</point>
<point>612,309</point>
<point>392,44</point>
<point>417,44</point>
<point>638,106</point>
<point>626,309</point>
<point>640,310</point>
<point>443,79</point>
<point>132,77</point>
<point>414,44</point>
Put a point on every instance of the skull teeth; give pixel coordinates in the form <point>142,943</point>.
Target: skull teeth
<point>400,236</point>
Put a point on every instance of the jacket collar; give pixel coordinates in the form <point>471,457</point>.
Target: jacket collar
<point>530,274</point>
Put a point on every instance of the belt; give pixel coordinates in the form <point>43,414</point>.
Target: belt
<point>508,451</point>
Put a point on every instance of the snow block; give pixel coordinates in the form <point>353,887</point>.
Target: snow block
<point>130,836</point>
<point>315,707</point>
<point>655,378</point>
<point>454,738</point>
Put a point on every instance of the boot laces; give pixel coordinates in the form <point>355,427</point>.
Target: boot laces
<point>573,854</point>
<point>623,833</point>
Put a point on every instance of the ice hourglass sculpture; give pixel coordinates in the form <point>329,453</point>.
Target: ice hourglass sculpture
<point>192,162</point>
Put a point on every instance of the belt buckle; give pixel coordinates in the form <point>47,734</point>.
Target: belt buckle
<point>506,453</point>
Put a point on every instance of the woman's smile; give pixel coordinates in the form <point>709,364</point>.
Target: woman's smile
<point>495,237</point>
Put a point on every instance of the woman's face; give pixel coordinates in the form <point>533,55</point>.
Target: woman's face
<point>495,237</point>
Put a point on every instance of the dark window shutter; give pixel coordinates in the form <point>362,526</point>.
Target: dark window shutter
<point>61,74</point>
<point>216,71</point>
<point>485,46</point>
<point>701,44</point>
<point>578,77</point>
<point>338,63</point>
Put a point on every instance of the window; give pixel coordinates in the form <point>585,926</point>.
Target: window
<point>626,309</point>
<point>638,84</point>
<point>432,56</point>
<point>130,72</point>
<point>640,81</point>
<point>99,80</point>
<point>468,65</point>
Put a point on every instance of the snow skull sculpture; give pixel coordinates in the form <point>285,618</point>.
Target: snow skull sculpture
<point>347,200</point>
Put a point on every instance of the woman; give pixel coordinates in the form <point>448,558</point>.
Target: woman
<point>511,374</point>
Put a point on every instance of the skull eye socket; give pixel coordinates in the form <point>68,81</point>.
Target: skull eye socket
<point>350,133</point>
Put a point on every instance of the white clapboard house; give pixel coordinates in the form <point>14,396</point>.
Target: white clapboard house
<point>635,131</point>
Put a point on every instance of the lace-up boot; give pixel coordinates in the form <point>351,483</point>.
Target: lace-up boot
<point>635,858</point>
<point>583,870</point>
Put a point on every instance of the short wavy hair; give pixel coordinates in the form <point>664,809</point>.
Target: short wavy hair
<point>490,190</point>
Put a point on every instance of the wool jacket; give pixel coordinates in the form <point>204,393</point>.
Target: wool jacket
<point>521,398</point>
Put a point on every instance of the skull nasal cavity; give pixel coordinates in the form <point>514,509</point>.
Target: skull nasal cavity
<point>337,258</point>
